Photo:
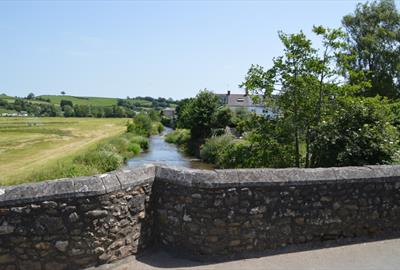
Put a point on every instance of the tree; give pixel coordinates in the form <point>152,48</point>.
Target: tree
<point>141,125</point>
<point>374,35</point>
<point>310,82</point>
<point>119,111</point>
<point>358,133</point>
<point>199,115</point>
<point>63,93</point>
<point>82,111</point>
<point>154,115</point>
<point>68,111</point>
<point>64,102</point>
<point>31,96</point>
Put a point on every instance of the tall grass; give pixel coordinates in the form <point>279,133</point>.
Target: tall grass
<point>106,156</point>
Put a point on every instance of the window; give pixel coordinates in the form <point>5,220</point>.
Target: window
<point>240,100</point>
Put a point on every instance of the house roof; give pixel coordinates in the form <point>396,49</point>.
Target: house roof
<point>238,100</point>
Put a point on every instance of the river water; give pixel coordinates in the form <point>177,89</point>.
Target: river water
<point>162,152</point>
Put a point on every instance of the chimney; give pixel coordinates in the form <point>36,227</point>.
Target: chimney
<point>246,93</point>
<point>229,92</point>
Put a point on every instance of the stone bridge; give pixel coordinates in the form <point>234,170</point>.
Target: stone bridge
<point>86,221</point>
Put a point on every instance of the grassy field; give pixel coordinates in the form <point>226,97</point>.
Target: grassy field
<point>29,145</point>
<point>94,101</point>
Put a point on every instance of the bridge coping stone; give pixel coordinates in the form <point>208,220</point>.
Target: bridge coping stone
<point>128,178</point>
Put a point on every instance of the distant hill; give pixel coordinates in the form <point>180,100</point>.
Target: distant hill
<point>93,101</point>
<point>49,105</point>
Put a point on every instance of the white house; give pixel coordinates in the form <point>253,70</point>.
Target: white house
<point>243,101</point>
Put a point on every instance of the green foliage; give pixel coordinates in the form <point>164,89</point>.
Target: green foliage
<point>141,125</point>
<point>373,34</point>
<point>82,111</point>
<point>214,148</point>
<point>68,111</point>
<point>102,159</point>
<point>178,136</point>
<point>64,102</point>
<point>141,141</point>
<point>358,133</point>
<point>134,148</point>
<point>201,115</point>
<point>154,115</point>
<point>157,128</point>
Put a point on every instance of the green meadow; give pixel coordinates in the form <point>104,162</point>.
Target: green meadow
<point>34,149</point>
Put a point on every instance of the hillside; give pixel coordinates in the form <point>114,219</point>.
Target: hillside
<point>50,105</point>
<point>93,101</point>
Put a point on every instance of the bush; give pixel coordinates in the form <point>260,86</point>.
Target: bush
<point>157,128</point>
<point>142,141</point>
<point>101,159</point>
<point>237,154</point>
<point>134,148</point>
<point>178,136</point>
<point>214,147</point>
<point>141,125</point>
<point>359,134</point>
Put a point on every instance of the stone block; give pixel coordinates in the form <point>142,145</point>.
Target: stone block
<point>88,186</point>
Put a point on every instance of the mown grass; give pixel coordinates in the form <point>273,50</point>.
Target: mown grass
<point>32,149</point>
<point>107,155</point>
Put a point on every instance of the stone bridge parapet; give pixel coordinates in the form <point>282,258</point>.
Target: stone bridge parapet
<point>85,221</point>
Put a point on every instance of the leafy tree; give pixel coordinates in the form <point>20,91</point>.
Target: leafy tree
<point>374,35</point>
<point>154,115</point>
<point>31,96</point>
<point>223,117</point>
<point>200,115</point>
<point>108,112</point>
<point>82,111</point>
<point>359,132</point>
<point>313,103</point>
<point>68,111</point>
<point>179,111</point>
<point>118,111</point>
<point>97,111</point>
<point>141,125</point>
<point>64,102</point>
<point>63,93</point>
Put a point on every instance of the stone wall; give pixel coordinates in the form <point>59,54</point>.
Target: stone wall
<point>234,212</point>
<point>80,222</point>
<point>75,223</point>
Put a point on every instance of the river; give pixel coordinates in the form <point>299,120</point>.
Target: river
<point>165,153</point>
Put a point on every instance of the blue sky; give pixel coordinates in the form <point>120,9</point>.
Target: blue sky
<point>158,48</point>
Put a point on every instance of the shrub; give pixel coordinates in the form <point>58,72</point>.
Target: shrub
<point>142,141</point>
<point>178,136</point>
<point>134,148</point>
<point>360,133</point>
<point>101,159</point>
<point>214,147</point>
<point>157,128</point>
<point>141,125</point>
